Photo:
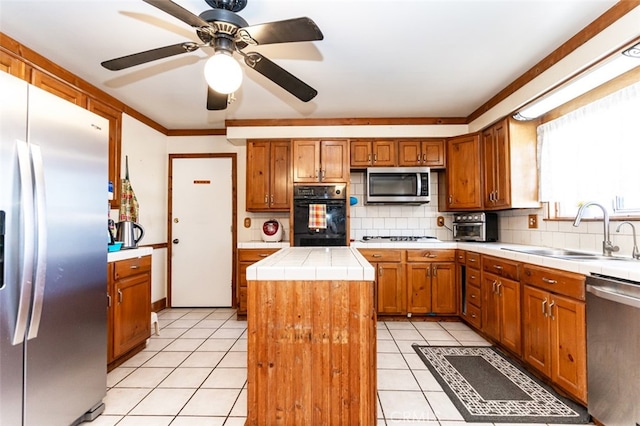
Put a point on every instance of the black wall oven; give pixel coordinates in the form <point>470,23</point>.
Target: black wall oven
<point>319,215</point>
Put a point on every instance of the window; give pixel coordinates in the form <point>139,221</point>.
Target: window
<point>593,154</point>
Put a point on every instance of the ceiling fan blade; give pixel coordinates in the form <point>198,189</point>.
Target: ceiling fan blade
<point>148,56</point>
<point>280,76</point>
<point>216,101</point>
<point>179,12</point>
<point>290,30</point>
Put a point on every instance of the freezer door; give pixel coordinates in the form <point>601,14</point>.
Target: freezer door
<point>66,358</point>
<point>13,128</point>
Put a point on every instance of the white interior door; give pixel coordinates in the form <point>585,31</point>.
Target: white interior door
<point>202,238</point>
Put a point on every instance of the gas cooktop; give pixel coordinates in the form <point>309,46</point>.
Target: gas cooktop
<point>400,238</point>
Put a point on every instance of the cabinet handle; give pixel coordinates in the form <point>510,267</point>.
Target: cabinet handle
<point>375,157</point>
<point>134,267</point>
<point>380,270</point>
<point>108,300</point>
<point>551,305</point>
<point>498,267</point>
<point>376,255</point>
<point>424,158</point>
<point>493,284</point>
<point>435,271</point>
<point>473,296</point>
<point>418,159</point>
<point>450,199</point>
<point>471,260</point>
<point>119,296</point>
<point>473,276</point>
<point>428,272</point>
<point>323,173</point>
<point>549,280</point>
<point>271,198</point>
<point>266,198</point>
<point>544,307</point>
<point>317,174</point>
<point>430,255</point>
<point>369,158</point>
<point>498,288</point>
<point>263,255</point>
<point>473,315</point>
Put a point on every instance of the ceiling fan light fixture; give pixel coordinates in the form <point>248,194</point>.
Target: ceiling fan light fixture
<point>223,73</point>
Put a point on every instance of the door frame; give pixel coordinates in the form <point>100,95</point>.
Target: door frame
<point>234,218</point>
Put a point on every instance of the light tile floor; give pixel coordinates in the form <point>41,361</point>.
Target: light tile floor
<point>194,373</point>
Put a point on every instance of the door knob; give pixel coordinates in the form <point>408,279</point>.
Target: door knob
<point>176,241</point>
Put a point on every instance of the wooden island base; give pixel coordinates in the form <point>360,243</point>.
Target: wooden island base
<point>311,353</point>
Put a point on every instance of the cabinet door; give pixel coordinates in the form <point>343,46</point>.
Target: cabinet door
<point>115,136</point>
<point>569,353</point>
<point>391,288</point>
<point>12,65</point>
<point>361,155</point>
<point>384,153</point>
<point>258,161</point>
<point>490,314</point>
<point>536,329</point>
<point>444,298</point>
<point>132,312</point>
<point>280,182</point>
<point>334,160</point>
<point>502,170</point>
<point>306,161</point>
<point>510,320</point>
<point>419,288</point>
<point>58,88</point>
<point>464,180</point>
<point>433,153</point>
<point>409,153</point>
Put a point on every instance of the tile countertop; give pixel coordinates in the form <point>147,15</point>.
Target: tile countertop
<point>616,268</point>
<point>313,263</point>
<point>128,253</point>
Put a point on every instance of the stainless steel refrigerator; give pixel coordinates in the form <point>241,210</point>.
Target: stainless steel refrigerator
<point>53,258</point>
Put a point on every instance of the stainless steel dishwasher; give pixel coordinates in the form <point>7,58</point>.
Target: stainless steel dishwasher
<point>613,350</point>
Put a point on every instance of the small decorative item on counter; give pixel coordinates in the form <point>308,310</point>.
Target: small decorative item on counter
<point>271,231</point>
<point>115,246</point>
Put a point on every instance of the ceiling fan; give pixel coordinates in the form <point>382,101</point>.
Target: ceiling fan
<point>227,33</point>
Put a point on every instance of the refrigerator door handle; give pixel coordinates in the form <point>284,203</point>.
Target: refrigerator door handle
<point>41,241</point>
<point>28,246</point>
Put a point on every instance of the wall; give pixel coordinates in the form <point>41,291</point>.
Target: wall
<point>386,220</point>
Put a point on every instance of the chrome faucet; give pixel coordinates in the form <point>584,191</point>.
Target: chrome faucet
<point>635,253</point>
<point>607,247</point>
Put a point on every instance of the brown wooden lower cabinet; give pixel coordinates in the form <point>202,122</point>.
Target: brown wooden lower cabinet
<point>554,328</point>
<point>246,258</point>
<point>129,307</point>
<point>311,353</point>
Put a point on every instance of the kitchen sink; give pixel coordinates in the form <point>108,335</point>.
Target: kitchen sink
<point>566,254</point>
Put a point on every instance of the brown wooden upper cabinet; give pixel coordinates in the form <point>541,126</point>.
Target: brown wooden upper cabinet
<point>58,88</point>
<point>115,135</point>
<point>268,175</point>
<point>373,153</point>
<point>425,152</point>
<point>12,65</point>
<point>461,189</point>
<point>510,165</point>
<point>320,160</point>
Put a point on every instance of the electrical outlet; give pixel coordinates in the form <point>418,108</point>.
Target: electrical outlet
<point>440,220</point>
<point>533,221</point>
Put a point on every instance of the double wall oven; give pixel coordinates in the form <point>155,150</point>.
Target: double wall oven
<point>320,215</point>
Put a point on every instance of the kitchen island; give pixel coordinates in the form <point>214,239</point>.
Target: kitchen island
<point>311,338</point>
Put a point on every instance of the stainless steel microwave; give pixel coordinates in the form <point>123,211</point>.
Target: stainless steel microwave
<point>397,185</point>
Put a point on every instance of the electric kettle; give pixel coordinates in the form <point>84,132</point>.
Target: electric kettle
<point>126,232</point>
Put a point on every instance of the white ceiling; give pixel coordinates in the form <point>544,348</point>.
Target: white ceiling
<point>379,58</point>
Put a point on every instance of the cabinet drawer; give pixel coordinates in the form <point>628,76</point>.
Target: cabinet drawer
<point>474,316</point>
<point>473,277</point>
<point>501,267</point>
<point>473,295</point>
<point>461,257</point>
<point>555,281</point>
<point>129,267</point>
<point>382,255</point>
<point>473,259</point>
<point>431,255</point>
<point>254,255</point>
